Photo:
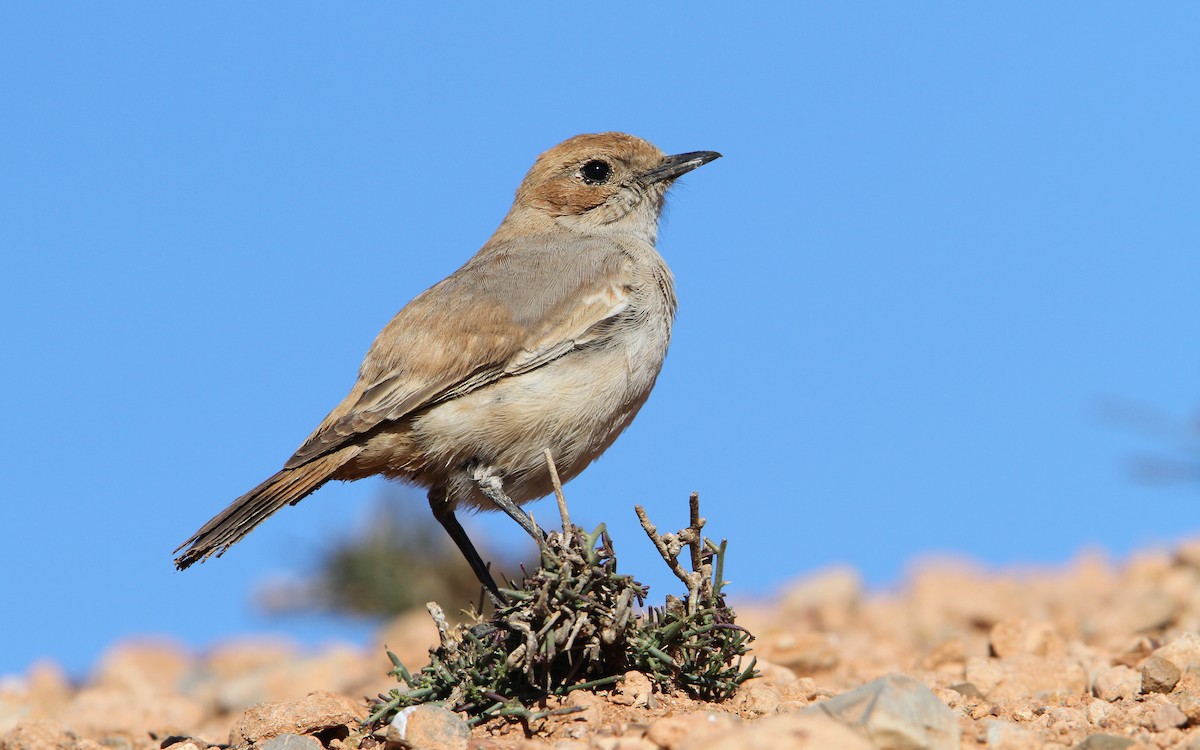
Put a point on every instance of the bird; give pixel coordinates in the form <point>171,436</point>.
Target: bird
<point>549,338</point>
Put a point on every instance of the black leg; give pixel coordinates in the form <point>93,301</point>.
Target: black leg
<point>445,516</point>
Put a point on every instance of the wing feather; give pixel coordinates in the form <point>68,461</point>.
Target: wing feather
<point>485,322</point>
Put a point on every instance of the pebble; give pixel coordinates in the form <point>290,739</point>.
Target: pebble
<point>1025,675</point>
<point>1159,675</point>
<point>806,653</point>
<point>759,700</point>
<point>635,690</point>
<point>1116,683</point>
<point>1004,735</point>
<point>895,711</point>
<point>1097,711</point>
<point>1063,721</point>
<point>308,715</point>
<point>777,675</point>
<point>106,710</point>
<point>1166,716</point>
<point>677,732</point>
<point>670,731</point>
<point>429,727</point>
<point>1189,703</point>
<point>291,742</point>
<point>592,704</point>
<point>1183,652</point>
<point>1011,637</point>
<point>1142,611</point>
<point>968,690</point>
<point>949,656</point>
<point>38,734</point>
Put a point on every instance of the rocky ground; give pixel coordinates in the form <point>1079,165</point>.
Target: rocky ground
<point>1094,655</point>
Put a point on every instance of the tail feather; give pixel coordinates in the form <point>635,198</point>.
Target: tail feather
<point>286,487</point>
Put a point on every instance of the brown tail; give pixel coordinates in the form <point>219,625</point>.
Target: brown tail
<point>287,487</point>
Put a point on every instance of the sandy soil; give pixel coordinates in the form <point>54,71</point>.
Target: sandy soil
<point>1099,653</point>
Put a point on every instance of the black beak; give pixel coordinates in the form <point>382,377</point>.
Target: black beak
<point>674,166</point>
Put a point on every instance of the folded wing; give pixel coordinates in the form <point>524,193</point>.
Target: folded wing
<point>483,323</point>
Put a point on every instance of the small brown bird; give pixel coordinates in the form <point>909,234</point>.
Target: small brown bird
<point>550,337</point>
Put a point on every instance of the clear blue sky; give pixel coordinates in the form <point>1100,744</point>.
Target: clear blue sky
<point>941,235</point>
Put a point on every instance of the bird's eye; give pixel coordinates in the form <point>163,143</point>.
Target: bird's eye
<point>595,172</point>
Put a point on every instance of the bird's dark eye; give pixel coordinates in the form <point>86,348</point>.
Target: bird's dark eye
<point>595,172</point>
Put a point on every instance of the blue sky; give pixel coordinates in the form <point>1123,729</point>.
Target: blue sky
<point>942,236</point>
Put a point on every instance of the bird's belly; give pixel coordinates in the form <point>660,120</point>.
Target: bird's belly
<point>576,406</point>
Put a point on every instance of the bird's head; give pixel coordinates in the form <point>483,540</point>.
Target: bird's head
<point>603,183</point>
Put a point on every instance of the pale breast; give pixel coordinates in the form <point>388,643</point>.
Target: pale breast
<point>575,405</point>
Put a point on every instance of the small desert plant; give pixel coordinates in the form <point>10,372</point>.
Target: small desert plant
<point>573,624</point>
<point>693,643</point>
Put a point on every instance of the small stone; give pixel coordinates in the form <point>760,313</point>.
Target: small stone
<point>105,710</point>
<point>775,674</point>
<point>804,689</point>
<point>308,715</point>
<point>1005,639</point>
<point>948,656</point>
<point>593,707</point>
<point>686,731</point>
<point>759,700</point>
<point>1022,713</point>
<point>1004,735</point>
<point>1142,611</point>
<point>1011,637</point>
<point>429,727</point>
<point>1116,683</point>
<point>669,732</point>
<point>1066,722</point>
<point>805,653</point>
<point>1183,652</point>
<point>895,711</point>
<point>1097,711</point>
<point>985,674</point>
<point>1189,703</point>
<point>1159,675</point>
<point>1135,651</point>
<point>955,701</point>
<point>979,710</point>
<point>291,742</point>
<point>634,690</point>
<point>968,690</point>
<point>336,669</point>
<point>1166,716</point>
<point>1104,742</point>
<point>39,735</point>
<point>1024,675</point>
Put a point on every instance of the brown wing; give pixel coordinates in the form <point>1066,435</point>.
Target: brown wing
<point>510,309</point>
